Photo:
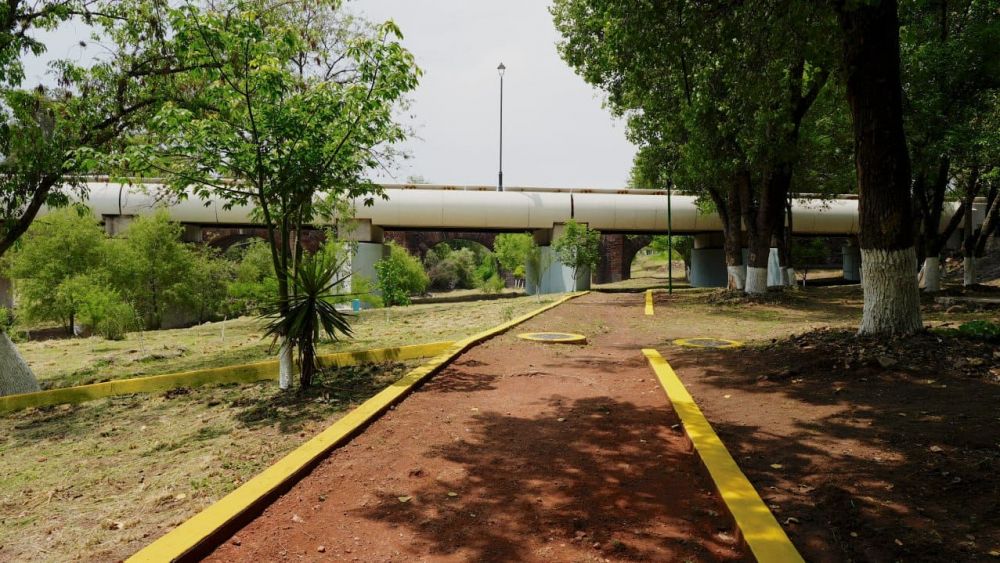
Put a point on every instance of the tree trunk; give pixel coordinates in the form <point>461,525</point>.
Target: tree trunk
<point>968,233</point>
<point>874,94</point>
<point>285,364</point>
<point>932,274</point>
<point>15,375</point>
<point>728,206</point>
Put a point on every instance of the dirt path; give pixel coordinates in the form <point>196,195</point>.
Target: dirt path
<point>517,452</point>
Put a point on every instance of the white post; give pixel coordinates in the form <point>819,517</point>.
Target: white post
<point>969,265</point>
<point>932,274</point>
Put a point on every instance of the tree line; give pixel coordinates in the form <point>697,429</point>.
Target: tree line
<point>749,104</point>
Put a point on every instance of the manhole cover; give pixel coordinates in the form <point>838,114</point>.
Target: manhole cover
<point>554,337</point>
<point>708,343</point>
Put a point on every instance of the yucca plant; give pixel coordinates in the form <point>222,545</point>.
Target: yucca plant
<point>310,309</point>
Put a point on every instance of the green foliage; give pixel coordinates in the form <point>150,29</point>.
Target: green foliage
<point>101,307</point>
<point>450,269</point>
<point>579,247</point>
<point>255,283</point>
<point>512,251</point>
<point>981,330</point>
<point>400,275</point>
<point>310,310</point>
<point>808,251</point>
<point>153,268</point>
<point>681,246</point>
<point>391,276</point>
<point>58,248</point>
<point>209,281</point>
<point>492,284</point>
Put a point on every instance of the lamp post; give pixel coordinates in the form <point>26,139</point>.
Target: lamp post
<point>500,70</point>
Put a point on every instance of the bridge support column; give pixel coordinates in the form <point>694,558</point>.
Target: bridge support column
<point>369,248</point>
<point>115,225</point>
<point>192,233</point>
<point>852,261</point>
<point>708,261</point>
<point>558,277</point>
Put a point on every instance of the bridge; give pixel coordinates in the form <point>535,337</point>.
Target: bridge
<point>420,216</point>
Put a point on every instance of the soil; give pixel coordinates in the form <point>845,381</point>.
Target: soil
<point>518,451</point>
<point>865,449</point>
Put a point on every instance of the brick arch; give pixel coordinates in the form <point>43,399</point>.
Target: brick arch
<point>617,254</point>
<point>419,242</point>
<point>224,238</point>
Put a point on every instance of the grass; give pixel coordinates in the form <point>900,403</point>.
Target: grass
<point>79,361</point>
<point>98,481</point>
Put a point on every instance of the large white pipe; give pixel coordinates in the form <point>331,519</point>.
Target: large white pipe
<point>479,208</point>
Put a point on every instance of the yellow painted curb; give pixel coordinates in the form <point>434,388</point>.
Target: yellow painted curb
<point>196,535</point>
<point>649,302</point>
<point>246,373</point>
<point>760,530</point>
<point>693,343</point>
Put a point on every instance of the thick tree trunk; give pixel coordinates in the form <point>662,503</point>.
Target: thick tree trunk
<point>969,270</point>
<point>874,93</point>
<point>15,375</point>
<point>728,205</point>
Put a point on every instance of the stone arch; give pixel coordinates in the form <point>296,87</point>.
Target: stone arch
<point>419,242</point>
<point>224,238</point>
<point>617,253</point>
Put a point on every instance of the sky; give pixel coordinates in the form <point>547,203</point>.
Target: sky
<point>556,132</point>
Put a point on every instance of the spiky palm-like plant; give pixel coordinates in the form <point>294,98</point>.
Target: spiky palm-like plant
<point>310,310</point>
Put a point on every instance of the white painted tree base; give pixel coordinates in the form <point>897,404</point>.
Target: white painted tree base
<point>285,365</point>
<point>969,265</point>
<point>737,277</point>
<point>756,280</point>
<point>15,375</point>
<point>892,299</point>
<point>932,274</point>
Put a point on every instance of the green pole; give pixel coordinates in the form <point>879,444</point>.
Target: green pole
<point>670,242</point>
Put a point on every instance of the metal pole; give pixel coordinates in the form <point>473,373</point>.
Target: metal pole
<point>670,241</point>
<point>500,179</point>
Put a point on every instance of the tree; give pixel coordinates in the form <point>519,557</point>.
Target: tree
<point>45,132</point>
<point>153,268</point>
<point>950,53</point>
<point>255,283</point>
<point>871,63</point>
<point>57,248</point>
<point>292,103</point>
<point>579,247</point>
<point>208,282</point>
<point>310,310</point>
<point>400,275</point>
<point>511,250</point>
<point>536,265</point>
<point>715,93</point>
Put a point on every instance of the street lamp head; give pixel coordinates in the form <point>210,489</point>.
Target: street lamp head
<point>501,69</point>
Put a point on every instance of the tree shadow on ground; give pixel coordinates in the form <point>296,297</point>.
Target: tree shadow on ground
<point>872,463</point>
<point>333,390</point>
<point>588,472</point>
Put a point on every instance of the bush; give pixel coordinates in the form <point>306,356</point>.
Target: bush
<point>495,284</point>
<point>391,280</point>
<point>100,307</point>
<point>255,284</point>
<point>451,269</point>
<point>414,279</point>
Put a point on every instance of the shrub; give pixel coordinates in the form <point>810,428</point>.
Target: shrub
<point>451,269</point>
<point>255,284</point>
<point>391,280</point>
<point>414,279</point>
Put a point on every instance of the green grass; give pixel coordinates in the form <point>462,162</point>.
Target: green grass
<point>79,361</point>
<point>98,481</point>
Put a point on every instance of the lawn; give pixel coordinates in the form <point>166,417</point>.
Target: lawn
<point>78,361</point>
<point>102,479</point>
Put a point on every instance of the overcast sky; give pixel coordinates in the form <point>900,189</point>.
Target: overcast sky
<point>555,131</point>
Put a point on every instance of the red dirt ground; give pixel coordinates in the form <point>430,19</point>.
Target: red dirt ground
<point>518,451</point>
<point>865,449</point>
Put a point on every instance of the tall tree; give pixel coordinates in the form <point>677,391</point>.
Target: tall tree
<point>718,90</point>
<point>46,131</point>
<point>870,34</point>
<point>291,103</point>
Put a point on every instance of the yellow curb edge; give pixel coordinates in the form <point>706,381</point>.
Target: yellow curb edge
<point>649,302</point>
<point>196,535</point>
<point>760,530</point>
<point>244,373</point>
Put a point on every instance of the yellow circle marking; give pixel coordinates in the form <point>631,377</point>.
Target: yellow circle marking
<point>708,342</point>
<point>553,337</point>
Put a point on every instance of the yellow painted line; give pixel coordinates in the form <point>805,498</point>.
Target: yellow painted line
<point>760,530</point>
<point>198,534</point>
<point>649,302</point>
<point>246,373</point>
